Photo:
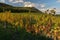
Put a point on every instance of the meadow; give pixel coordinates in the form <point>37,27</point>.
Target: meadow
<point>29,26</point>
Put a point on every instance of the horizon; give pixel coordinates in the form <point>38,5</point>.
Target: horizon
<point>39,4</point>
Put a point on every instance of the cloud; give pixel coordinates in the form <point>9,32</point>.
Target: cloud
<point>43,9</point>
<point>50,8</point>
<point>58,10</point>
<point>58,0</point>
<point>42,5</point>
<point>37,5</point>
<point>10,0</point>
<point>29,4</point>
<point>16,1</point>
<point>3,1</point>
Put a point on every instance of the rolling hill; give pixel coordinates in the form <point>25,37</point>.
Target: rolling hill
<point>5,7</point>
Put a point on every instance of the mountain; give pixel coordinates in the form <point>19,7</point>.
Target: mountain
<point>25,9</point>
<point>6,7</point>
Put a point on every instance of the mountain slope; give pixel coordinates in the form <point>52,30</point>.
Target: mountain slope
<point>6,7</point>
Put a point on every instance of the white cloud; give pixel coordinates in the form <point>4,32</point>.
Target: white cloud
<point>43,9</point>
<point>10,0</point>
<point>50,8</point>
<point>29,4</point>
<point>42,5</point>
<point>16,1</point>
<point>58,10</point>
<point>58,0</point>
<point>3,1</point>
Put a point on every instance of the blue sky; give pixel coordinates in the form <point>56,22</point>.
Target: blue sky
<point>39,4</point>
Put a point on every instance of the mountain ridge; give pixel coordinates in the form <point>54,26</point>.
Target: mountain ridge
<point>7,7</point>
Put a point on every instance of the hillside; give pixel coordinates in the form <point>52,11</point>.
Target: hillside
<point>5,7</point>
<point>25,9</point>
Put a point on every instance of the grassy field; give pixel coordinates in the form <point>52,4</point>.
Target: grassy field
<point>33,26</point>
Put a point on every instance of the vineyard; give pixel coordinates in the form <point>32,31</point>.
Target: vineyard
<point>29,26</point>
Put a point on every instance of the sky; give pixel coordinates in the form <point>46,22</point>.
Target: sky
<point>39,4</point>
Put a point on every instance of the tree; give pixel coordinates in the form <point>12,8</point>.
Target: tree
<point>53,11</point>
